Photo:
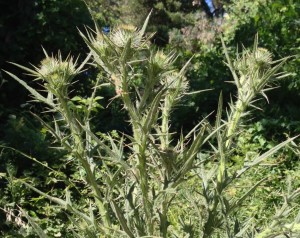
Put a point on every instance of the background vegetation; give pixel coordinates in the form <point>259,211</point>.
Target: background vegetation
<point>184,27</point>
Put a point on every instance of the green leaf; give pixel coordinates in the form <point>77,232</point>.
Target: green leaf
<point>34,225</point>
<point>152,114</point>
<point>264,156</point>
<point>230,65</point>
<point>143,30</point>
<point>38,96</point>
<point>190,155</point>
<point>240,201</point>
<point>121,219</point>
<point>59,202</point>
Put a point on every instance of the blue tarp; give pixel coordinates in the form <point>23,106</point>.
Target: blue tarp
<point>210,5</point>
<point>106,30</point>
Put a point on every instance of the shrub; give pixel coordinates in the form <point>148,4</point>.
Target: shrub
<point>147,184</point>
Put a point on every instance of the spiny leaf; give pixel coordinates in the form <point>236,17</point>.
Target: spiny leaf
<point>29,157</point>
<point>247,225</point>
<point>32,72</point>
<point>78,70</point>
<point>229,63</point>
<point>184,68</point>
<point>126,51</point>
<point>239,202</point>
<point>152,114</point>
<point>121,218</point>
<point>202,122</point>
<point>38,96</point>
<point>264,156</point>
<point>34,225</point>
<point>143,30</point>
<point>190,155</point>
<point>59,202</point>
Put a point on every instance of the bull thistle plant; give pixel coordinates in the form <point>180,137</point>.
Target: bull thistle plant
<point>149,184</point>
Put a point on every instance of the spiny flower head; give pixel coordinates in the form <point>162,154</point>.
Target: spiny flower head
<point>176,83</point>
<point>259,59</point>
<point>122,34</point>
<point>160,62</point>
<point>56,72</point>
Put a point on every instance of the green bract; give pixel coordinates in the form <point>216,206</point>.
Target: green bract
<point>56,73</point>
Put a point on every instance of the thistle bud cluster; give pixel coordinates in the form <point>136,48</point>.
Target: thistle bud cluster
<point>253,72</point>
<point>124,33</point>
<point>253,69</point>
<point>120,44</point>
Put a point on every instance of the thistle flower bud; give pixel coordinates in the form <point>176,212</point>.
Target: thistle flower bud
<point>176,82</point>
<point>252,67</point>
<point>124,33</point>
<point>260,59</point>
<point>161,62</point>
<point>56,72</point>
<point>263,58</point>
<point>99,43</point>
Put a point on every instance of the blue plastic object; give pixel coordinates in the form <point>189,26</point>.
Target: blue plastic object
<point>210,5</point>
<point>106,30</point>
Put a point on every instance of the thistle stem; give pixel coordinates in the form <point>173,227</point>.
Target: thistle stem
<point>81,156</point>
<point>165,124</point>
<point>234,120</point>
<point>139,149</point>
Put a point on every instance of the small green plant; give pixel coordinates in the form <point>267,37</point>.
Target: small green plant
<point>148,184</point>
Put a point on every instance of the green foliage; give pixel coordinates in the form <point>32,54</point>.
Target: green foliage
<point>286,28</point>
<point>278,28</point>
<point>240,16</point>
<point>166,14</point>
<point>26,25</point>
<point>22,133</point>
<point>109,13</point>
